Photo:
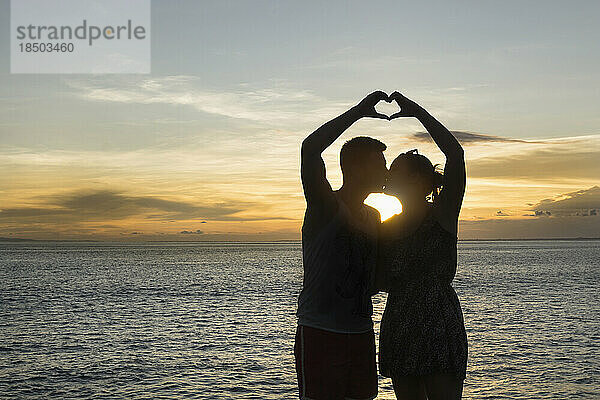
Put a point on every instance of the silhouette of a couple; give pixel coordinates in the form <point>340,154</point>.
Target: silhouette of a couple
<point>349,255</point>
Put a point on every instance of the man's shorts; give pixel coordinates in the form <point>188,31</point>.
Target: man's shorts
<point>335,366</point>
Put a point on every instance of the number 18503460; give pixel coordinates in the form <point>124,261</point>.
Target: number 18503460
<point>46,47</point>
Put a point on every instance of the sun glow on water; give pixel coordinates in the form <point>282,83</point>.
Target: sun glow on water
<point>388,206</point>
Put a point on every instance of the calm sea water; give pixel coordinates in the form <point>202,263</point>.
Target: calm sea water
<point>216,321</point>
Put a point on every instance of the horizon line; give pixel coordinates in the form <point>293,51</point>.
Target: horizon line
<point>5,239</point>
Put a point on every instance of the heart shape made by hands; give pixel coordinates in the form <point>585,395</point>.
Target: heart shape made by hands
<point>387,108</point>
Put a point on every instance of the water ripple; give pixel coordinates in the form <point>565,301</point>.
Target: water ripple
<point>217,321</point>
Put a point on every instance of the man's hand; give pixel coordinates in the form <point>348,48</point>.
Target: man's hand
<point>366,108</point>
<point>408,108</point>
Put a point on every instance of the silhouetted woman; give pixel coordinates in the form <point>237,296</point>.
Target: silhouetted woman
<point>423,343</point>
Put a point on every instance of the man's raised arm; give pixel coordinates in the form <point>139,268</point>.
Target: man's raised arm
<point>314,181</point>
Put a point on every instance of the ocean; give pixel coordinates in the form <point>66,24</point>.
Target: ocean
<point>195,320</point>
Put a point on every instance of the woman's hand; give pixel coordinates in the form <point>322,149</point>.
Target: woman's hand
<point>366,108</point>
<point>408,108</point>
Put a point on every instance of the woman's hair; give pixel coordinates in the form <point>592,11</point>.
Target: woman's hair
<point>420,165</point>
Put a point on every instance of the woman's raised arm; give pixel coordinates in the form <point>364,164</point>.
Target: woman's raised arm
<point>453,189</point>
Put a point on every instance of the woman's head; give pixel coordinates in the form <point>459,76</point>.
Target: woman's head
<point>413,177</point>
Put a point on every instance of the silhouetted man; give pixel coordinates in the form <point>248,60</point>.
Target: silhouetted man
<point>335,343</point>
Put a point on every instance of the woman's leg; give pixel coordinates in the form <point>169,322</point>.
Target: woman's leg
<point>409,388</point>
<point>443,387</point>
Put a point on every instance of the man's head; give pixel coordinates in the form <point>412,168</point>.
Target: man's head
<point>363,164</point>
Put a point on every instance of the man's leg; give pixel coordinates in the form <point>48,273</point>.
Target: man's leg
<point>363,374</point>
<point>322,365</point>
<point>298,350</point>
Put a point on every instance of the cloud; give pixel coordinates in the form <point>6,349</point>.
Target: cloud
<point>35,212</point>
<point>283,102</point>
<point>118,205</point>
<point>507,228</point>
<point>568,161</point>
<point>545,163</point>
<point>196,232</point>
<point>103,205</point>
<point>470,137</point>
<point>584,202</point>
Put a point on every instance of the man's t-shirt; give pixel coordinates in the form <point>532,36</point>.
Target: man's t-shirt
<point>339,257</point>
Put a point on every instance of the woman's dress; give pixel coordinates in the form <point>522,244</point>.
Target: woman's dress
<point>422,330</point>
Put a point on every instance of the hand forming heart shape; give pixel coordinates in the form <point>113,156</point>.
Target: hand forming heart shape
<point>387,108</point>
<point>407,107</point>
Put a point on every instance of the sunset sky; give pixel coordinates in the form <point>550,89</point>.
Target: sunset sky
<point>207,146</point>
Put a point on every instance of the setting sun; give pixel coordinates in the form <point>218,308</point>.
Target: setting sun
<point>388,206</point>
